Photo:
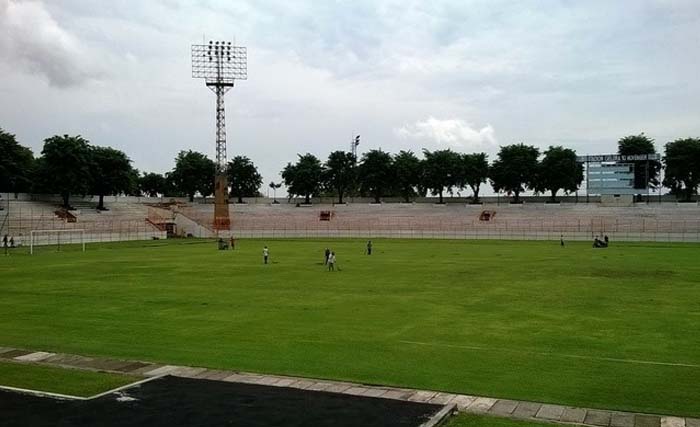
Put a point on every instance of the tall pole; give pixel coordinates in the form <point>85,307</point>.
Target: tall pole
<point>222,219</point>
<point>220,64</point>
<point>220,130</point>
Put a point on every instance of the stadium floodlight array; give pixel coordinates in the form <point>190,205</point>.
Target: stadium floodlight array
<point>54,237</point>
<point>220,64</point>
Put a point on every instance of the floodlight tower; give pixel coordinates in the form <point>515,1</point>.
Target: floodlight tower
<point>220,64</point>
<point>354,142</point>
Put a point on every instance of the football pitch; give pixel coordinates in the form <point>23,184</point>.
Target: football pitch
<point>609,328</point>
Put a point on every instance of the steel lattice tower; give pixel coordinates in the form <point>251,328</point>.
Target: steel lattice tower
<point>220,64</point>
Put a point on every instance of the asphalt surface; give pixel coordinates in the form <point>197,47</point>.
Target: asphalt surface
<point>172,402</point>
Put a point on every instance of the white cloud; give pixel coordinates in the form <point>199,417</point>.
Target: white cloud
<point>455,133</point>
<point>31,38</point>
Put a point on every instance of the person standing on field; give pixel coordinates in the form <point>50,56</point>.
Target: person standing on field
<point>328,254</point>
<point>331,262</point>
<point>369,247</point>
<point>266,254</point>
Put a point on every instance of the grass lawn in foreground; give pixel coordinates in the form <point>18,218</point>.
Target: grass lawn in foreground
<point>59,380</point>
<point>469,420</point>
<point>606,328</point>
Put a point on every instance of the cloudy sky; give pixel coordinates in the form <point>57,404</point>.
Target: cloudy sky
<point>469,75</point>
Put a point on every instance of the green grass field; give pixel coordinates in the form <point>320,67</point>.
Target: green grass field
<point>59,380</point>
<point>614,328</point>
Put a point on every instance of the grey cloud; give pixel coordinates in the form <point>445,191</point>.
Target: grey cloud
<point>35,42</point>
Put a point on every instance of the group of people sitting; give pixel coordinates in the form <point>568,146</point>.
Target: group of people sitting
<point>597,243</point>
<point>224,245</point>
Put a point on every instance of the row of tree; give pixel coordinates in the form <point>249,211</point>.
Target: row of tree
<point>71,165</point>
<point>379,174</point>
<point>517,168</point>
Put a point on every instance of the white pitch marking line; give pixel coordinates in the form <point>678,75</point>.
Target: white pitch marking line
<point>573,356</point>
<point>71,397</point>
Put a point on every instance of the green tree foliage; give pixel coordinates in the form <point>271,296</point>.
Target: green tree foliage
<point>475,171</point>
<point>171,188</point>
<point>559,170</point>
<point>193,173</point>
<point>376,174</point>
<point>243,177</point>
<point>682,161</point>
<point>641,144</point>
<point>408,169</point>
<point>274,186</point>
<point>111,173</point>
<point>64,166</point>
<point>153,184</point>
<point>16,165</point>
<point>304,177</point>
<point>441,171</point>
<point>340,174</point>
<point>515,169</point>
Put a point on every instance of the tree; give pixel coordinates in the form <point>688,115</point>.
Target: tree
<point>376,173</point>
<point>64,166</point>
<point>339,173</point>
<point>153,184</point>
<point>171,188</point>
<point>111,173</point>
<point>475,171</point>
<point>682,161</point>
<point>407,168</point>
<point>641,144</point>
<point>441,170</point>
<point>134,182</point>
<point>194,172</point>
<point>16,165</point>
<point>243,177</point>
<point>275,187</point>
<point>515,169</point>
<point>304,177</point>
<point>559,170</point>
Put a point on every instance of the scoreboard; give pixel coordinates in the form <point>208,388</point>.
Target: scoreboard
<point>613,174</point>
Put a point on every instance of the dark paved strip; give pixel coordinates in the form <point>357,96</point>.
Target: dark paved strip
<point>527,409</point>
<point>647,421</point>
<point>132,366</point>
<point>598,418</point>
<point>573,415</point>
<point>175,402</point>
<point>622,420</point>
<point>503,407</point>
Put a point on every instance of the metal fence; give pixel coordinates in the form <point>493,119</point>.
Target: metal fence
<point>20,222</point>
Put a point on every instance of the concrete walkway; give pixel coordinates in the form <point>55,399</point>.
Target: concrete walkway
<point>464,403</point>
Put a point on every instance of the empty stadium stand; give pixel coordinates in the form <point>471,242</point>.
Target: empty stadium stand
<point>131,219</point>
<point>656,222</point>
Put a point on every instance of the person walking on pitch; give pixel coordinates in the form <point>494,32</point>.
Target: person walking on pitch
<point>331,262</point>
<point>328,254</point>
<point>266,254</point>
<point>369,247</point>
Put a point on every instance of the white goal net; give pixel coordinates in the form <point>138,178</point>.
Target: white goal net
<point>56,239</point>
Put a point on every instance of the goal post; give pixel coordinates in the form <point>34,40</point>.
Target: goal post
<point>56,237</point>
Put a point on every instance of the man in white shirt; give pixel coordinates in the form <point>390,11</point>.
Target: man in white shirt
<point>331,262</point>
<point>266,254</point>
